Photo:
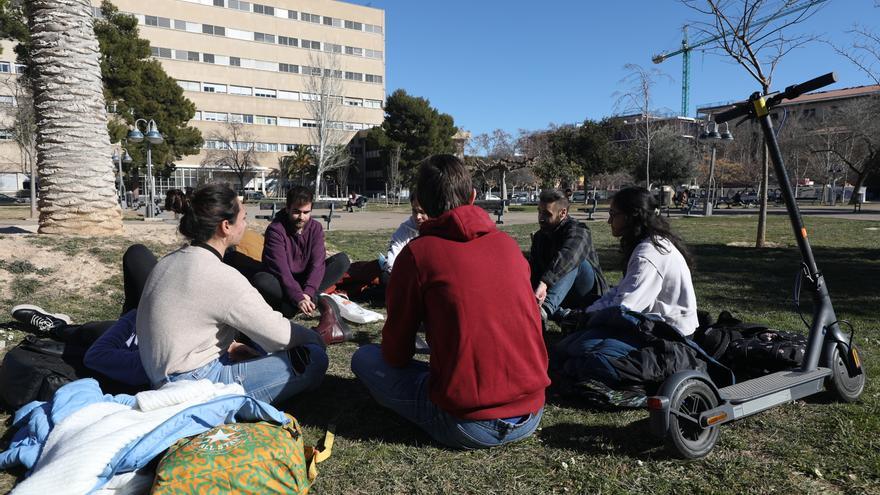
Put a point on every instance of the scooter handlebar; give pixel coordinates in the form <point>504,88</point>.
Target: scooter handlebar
<point>811,85</point>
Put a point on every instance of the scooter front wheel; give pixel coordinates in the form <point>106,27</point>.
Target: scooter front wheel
<point>685,436</point>
<point>844,387</point>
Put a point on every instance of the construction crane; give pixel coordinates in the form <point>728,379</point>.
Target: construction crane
<point>686,48</point>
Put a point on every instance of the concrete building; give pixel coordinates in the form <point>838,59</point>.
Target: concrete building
<point>248,62</point>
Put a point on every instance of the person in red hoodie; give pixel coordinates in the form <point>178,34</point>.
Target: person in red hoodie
<point>466,284</point>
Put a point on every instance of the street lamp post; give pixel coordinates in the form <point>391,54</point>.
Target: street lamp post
<point>153,137</point>
<point>710,133</point>
<point>120,159</point>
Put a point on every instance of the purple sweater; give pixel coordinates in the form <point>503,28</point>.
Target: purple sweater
<point>296,259</point>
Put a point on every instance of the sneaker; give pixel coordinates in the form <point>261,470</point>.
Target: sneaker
<point>39,319</point>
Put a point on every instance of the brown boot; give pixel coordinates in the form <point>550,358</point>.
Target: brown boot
<point>332,328</point>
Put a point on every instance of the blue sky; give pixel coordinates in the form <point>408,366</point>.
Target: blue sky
<point>524,64</point>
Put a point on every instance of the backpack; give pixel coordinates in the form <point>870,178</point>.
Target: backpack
<point>751,349</point>
<point>34,370</point>
<point>241,458</point>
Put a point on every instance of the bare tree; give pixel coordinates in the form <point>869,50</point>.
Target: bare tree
<point>498,152</point>
<point>234,152</point>
<point>864,51</point>
<point>756,34</point>
<point>24,131</point>
<point>324,87</point>
<point>639,99</point>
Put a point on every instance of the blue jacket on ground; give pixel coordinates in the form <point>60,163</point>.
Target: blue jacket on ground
<point>115,353</point>
<point>37,419</point>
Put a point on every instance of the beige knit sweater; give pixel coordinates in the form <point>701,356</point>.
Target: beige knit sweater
<point>190,309</point>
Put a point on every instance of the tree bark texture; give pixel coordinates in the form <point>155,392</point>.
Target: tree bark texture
<point>77,186</point>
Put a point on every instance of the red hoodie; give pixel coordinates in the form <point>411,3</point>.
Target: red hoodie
<point>468,282</point>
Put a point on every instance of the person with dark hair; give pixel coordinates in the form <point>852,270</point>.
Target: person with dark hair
<point>193,306</point>
<point>297,269</point>
<point>565,267</point>
<point>656,282</point>
<point>466,284</point>
<point>175,200</point>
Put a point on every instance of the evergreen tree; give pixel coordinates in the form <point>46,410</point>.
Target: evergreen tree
<point>419,129</point>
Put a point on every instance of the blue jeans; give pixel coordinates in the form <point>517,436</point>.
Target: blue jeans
<point>405,391</point>
<point>588,353</point>
<point>571,291</point>
<point>271,378</point>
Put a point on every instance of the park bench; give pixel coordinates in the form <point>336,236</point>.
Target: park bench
<point>591,209</point>
<point>804,199</point>
<point>274,206</point>
<point>494,207</point>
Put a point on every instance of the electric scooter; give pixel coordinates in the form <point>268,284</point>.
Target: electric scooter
<point>689,408</point>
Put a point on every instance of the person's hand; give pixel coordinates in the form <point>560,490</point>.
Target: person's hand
<point>541,293</point>
<point>241,352</point>
<point>306,305</point>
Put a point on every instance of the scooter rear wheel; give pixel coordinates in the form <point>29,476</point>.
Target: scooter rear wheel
<point>685,436</point>
<point>840,384</point>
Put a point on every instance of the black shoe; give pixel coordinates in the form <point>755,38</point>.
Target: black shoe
<point>572,321</point>
<point>39,319</point>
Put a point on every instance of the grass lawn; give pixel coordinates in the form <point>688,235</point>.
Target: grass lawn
<point>812,446</point>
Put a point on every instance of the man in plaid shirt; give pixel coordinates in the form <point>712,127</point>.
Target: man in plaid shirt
<point>565,268</point>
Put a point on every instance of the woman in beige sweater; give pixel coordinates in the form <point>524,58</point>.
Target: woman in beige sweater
<point>193,307</point>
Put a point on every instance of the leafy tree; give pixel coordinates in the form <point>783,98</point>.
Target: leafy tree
<point>673,158</point>
<point>419,129</point>
<point>139,88</point>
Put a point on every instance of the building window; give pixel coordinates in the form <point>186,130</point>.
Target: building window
<point>208,58</point>
<point>264,38</point>
<point>264,93</point>
<point>7,100</point>
<point>213,88</point>
<point>265,147</point>
<point>357,26</point>
<point>235,61</point>
<point>288,122</point>
<point>263,9</point>
<point>373,103</point>
<point>192,56</point>
<point>309,123</point>
<point>151,20</point>
<point>304,16</point>
<point>291,68</point>
<point>288,95</point>
<point>311,45</point>
<point>239,5</point>
<point>241,118</point>
<point>291,14</point>
<point>353,50</point>
<point>265,120</point>
<point>310,71</point>
<point>218,3</point>
<point>189,85</point>
<point>372,28</point>
<point>160,52</point>
<point>377,54</point>
<point>180,25</point>
<point>215,30</point>
<point>353,126</point>
<point>354,76</point>
<point>373,78</point>
<point>197,116</point>
<point>288,41</point>
<point>215,116</point>
<point>310,97</point>
<point>240,90</point>
<point>354,102</point>
<point>331,21</point>
<point>332,47</point>
<point>5,67</point>
<point>6,134</point>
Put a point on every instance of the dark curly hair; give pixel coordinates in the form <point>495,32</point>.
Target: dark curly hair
<point>643,221</point>
<point>209,205</point>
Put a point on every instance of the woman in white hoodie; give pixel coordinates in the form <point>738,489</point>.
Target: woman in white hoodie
<point>656,281</point>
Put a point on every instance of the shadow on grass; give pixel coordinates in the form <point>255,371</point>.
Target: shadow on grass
<point>763,280</point>
<point>346,403</point>
<point>632,440</point>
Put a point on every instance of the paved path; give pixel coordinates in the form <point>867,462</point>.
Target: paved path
<point>378,219</point>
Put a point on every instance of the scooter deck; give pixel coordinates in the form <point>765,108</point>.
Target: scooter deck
<point>770,384</point>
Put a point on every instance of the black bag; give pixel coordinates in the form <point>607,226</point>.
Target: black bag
<point>34,370</point>
<point>751,349</point>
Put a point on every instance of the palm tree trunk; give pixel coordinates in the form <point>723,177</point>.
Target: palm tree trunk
<point>77,187</point>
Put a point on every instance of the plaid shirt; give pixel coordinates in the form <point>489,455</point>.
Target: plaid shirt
<point>559,251</point>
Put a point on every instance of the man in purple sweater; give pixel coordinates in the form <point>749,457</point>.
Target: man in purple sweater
<point>297,269</point>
